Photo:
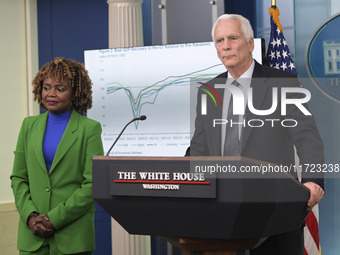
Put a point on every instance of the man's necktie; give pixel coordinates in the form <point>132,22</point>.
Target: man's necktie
<point>232,145</point>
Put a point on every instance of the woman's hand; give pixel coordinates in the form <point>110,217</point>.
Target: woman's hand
<point>41,225</point>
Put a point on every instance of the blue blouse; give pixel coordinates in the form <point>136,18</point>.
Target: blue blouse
<point>55,127</point>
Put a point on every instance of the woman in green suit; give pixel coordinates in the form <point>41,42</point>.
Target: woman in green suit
<point>52,170</point>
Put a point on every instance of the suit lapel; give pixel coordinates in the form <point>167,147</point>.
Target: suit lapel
<point>260,86</point>
<point>38,133</point>
<point>67,140</point>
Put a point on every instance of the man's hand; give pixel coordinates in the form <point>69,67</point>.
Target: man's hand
<point>316,194</point>
<point>41,225</point>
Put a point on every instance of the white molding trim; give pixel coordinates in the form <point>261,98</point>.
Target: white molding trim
<point>31,29</point>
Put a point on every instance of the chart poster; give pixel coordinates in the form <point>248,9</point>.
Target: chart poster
<point>153,81</point>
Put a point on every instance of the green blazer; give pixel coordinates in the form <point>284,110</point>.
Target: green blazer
<point>65,193</point>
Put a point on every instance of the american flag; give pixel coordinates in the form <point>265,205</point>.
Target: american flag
<point>278,56</point>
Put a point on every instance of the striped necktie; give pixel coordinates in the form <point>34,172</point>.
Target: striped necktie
<point>232,145</point>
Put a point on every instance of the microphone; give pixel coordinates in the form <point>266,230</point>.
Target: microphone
<point>142,117</point>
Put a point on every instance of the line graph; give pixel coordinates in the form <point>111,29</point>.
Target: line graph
<point>154,81</point>
<point>148,95</point>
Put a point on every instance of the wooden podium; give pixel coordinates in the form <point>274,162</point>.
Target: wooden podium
<point>210,212</point>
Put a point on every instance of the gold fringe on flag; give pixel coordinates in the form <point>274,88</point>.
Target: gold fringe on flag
<point>275,14</point>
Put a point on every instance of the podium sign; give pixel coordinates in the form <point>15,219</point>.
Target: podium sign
<point>173,179</point>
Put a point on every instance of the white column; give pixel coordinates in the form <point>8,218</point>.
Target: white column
<point>124,243</point>
<point>126,30</point>
<point>125,23</point>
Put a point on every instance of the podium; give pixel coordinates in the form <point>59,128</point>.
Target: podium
<point>197,209</point>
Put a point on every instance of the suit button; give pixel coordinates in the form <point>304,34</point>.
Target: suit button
<point>47,189</point>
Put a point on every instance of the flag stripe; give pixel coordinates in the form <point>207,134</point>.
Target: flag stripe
<point>310,246</point>
<point>313,228</point>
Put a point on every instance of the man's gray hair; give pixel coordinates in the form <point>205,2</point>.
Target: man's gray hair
<point>245,24</point>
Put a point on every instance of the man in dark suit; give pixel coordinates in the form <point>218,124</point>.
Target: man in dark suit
<point>270,137</point>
